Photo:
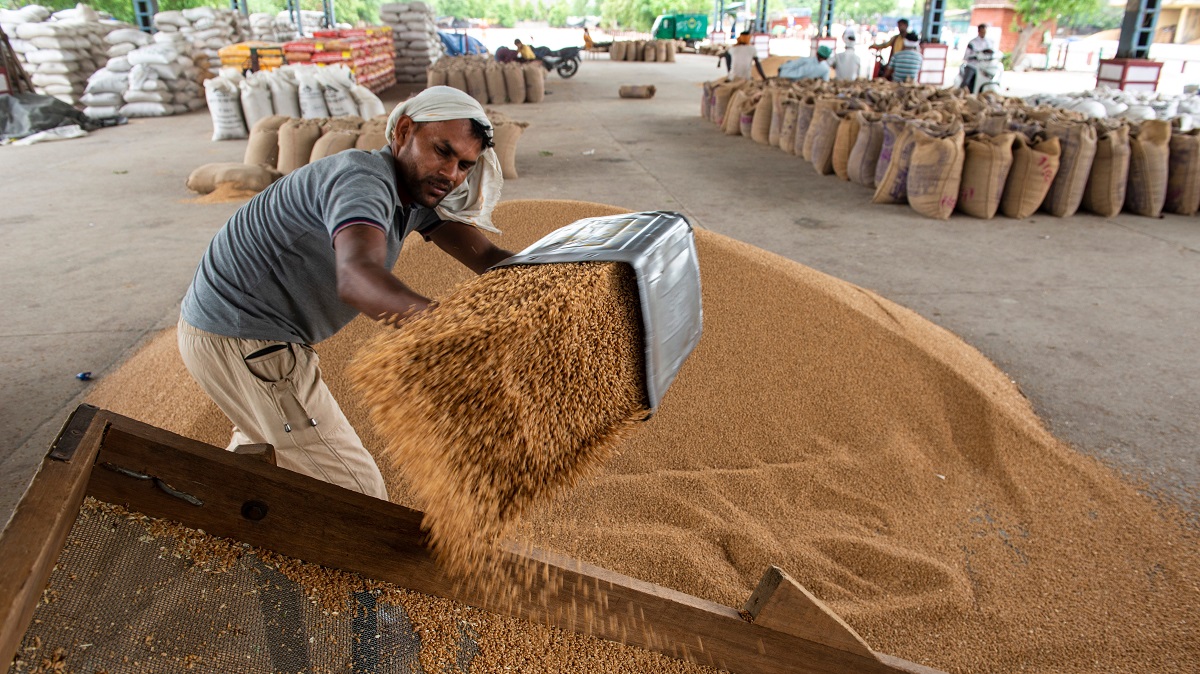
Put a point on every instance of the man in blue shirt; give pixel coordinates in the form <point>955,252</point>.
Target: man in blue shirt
<point>809,67</point>
<point>906,64</point>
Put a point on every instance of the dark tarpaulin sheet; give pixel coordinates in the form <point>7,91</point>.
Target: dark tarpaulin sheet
<point>26,114</point>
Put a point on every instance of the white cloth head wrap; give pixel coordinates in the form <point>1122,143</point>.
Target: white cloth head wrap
<point>472,201</point>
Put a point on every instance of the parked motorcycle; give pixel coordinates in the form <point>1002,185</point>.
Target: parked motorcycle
<point>981,73</point>
<point>564,61</point>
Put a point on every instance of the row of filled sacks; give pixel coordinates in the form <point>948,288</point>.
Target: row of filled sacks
<point>415,38</point>
<point>976,162</point>
<point>490,82</point>
<point>60,51</point>
<point>279,145</point>
<point>287,143</point>
<point>158,79</point>
<point>662,51</point>
<point>237,102</point>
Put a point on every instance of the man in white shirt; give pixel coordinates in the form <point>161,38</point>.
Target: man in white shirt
<point>846,64</point>
<point>978,44</point>
<point>741,57</point>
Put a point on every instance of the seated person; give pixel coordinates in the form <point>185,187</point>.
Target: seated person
<point>740,57</point>
<point>809,67</point>
<point>524,51</point>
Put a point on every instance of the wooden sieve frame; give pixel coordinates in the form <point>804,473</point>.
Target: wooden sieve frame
<point>782,628</point>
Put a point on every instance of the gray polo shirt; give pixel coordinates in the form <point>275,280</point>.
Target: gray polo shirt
<point>270,273</point>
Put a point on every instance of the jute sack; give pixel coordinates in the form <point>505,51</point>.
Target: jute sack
<point>263,147</point>
<point>804,116</point>
<point>670,51</point>
<point>661,47</point>
<point>893,127</point>
<point>787,131</point>
<point>271,123</point>
<point>616,51</point>
<point>822,125</point>
<point>514,82</point>
<point>733,114</point>
<point>722,95</point>
<point>457,78</point>
<point>506,135</point>
<point>1078,143</point>
<point>860,167</point>
<point>296,140</point>
<point>496,87</point>
<point>1149,162</point>
<point>746,121</point>
<point>371,136</point>
<point>777,98</point>
<point>706,101</point>
<point>1183,174</point>
<point>637,91</point>
<point>435,77</point>
<point>245,177</point>
<point>843,144</point>
<point>1032,173</point>
<point>763,114</point>
<point>935,173</point>
<point>333,142</point>
<point>535,82</point>
<point>985,169</point>
<point>1105,192</point>
<point>823,131</point>
<point>893,187</point>
<point>477,83</point>
<point>343,123</point>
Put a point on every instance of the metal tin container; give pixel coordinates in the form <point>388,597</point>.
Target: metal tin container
<point>661,248</point>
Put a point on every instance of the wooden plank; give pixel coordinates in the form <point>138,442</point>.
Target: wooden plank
<point>782,604</point>
<point>35,535</point>
<point>263,451</point>
<point>321,523</point>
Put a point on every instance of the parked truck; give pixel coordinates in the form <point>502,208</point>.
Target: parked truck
<point>691,28</point>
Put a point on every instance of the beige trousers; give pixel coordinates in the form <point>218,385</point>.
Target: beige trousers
<point>278,397</point>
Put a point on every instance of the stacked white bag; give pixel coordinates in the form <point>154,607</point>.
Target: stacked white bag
<point>60,50</point>
<point>271,28</point>
<point>207,29</point>
<point>1184,109</point>
<point>154,79</point>
<point>414,32</point>
<point>237,102</point>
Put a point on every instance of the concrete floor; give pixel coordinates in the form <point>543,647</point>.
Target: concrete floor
<point>1096,319</point>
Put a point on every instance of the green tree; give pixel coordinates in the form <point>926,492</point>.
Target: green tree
<point>1033,15</point>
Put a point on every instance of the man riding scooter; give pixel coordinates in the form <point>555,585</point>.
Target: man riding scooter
<point>981,66</point>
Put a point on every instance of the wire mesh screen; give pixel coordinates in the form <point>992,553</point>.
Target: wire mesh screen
<point>131,594</point>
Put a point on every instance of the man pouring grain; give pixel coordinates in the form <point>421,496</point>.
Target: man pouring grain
<point>311,252</point>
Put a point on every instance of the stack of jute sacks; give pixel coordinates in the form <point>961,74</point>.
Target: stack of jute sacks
<point>941,150</point>
<point>487,81</point>
<point>60,50</point>
<point>661,51</point>
<point>414,32</point>
<point>279,144</point>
